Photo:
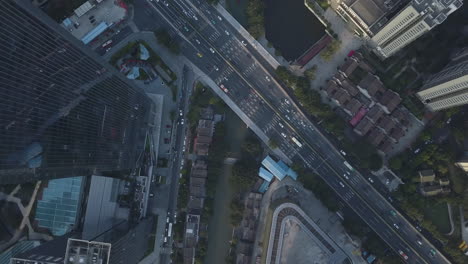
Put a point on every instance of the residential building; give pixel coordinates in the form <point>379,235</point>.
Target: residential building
<point>462,163</point>
<point>392,25</point>
<point>426,176</point>
<point>430,185</point>
<point>65,111</point>
<point>449,87</point>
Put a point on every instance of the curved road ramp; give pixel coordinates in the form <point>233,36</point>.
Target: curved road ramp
<point>295,238</point>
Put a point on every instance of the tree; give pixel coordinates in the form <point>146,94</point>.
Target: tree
<point>255,19</point>
<point>330,50</point>
<point>272,143</point>
<point>310,73</point>
<point>375,162</point>
<point>395,163</point>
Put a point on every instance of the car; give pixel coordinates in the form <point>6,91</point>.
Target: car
<point>281,125</point>
<point>393,213</point>
<point>283,134</point>
<point>180,112</point>
<point>346,176</point>
<point>182,121</point>
<point>186,29</point>
<point>286,101</point>
<point>390,199</point>
<point>219,18</point>
<point>419,228</point>
<point>224,88</point>
<point>342,184</point>
<point>195,17</point>
<point>107,50</point>
<point>268,78</point>
<point>216,68</point>
<point>419,242</point>
<point>151,195</point>
<point>432,252</point>
<point>370,179</point>
<point>403,254</point>
<point>387,181</point>
<point>107,43</point>
<point>287,117</point>
<point>212,50</point>
<point>417,151</point>
<point>342,152</point>
<point>197,41</point>
<point>165,3</point>
<point>396,226</point>
<point>244,43</point>
<point>199,55</point>
<point>227,32</point>
<point>185,13</point>
<point>213,22</point>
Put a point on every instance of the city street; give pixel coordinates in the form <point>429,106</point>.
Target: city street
<point>216,48</point>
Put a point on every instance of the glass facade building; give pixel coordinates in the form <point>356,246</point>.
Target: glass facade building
<point>59,205</point>
<point>64,111</point>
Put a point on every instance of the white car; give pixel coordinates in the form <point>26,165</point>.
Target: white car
<point>197,41</point>
<point>268,78</point>
<point>396,226</point>
<point>212,50</point>
<point>283,134</point>
<point>244,43</point>
<point>216,68</point>
<point>342,185</point>
<point>166,3</point>
<point>371,180</point>
<point>195,17</point>
<point>342,152</point>
<point>281,125</point>
<point>346,176</point>
<point>220,19</point>
<point>227,32</point>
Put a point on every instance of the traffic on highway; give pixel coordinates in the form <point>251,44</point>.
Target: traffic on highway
<point>245,78</point>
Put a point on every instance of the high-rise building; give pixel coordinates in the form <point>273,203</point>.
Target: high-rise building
<point>64,111</point>
<point>449,87</point>
<point>122,244</point>
<point>393,24</point>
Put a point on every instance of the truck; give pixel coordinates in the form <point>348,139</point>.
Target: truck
<point>169,230</point>
<point>296,141</point>
<point>348,166</point>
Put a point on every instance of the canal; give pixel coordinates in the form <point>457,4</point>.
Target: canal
<point>291,27</point>
<point>219,228</point>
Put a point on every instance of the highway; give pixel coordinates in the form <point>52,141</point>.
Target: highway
<point>215,47</point>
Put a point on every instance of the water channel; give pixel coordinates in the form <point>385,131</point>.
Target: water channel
<point>219,228</point>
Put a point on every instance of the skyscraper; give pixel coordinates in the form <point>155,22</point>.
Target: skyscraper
<point>64,111</point>
<point>393,24</point>
<point>449,87</point>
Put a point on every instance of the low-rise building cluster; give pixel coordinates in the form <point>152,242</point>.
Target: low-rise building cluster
<point>431,185</point>
<point>372,110</point>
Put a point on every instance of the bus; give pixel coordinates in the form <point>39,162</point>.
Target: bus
<point>296,141</point>
<point>347,165</point>
<point>169,230</point>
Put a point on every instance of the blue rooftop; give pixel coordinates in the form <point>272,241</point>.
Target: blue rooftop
<point>264,174</point>
<point>94,32</point>
<point>278,169</point>
<point>263,187</point>
<point>274,168</point>
<point>58,208</point>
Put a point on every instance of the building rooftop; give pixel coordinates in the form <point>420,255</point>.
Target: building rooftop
<point>59,205</point>
<point>364,126</point>
<point>397,132</point>
<point>341,96</point>
<point>390,100</point>
<point>426,176</point>
<point>265,174</point>
<point>196,181</point>
<point>386,123</point>
<point>401,116</point>
<point>353,106</point>
<point>374,87</point>
<point>348,67</point>
<point>386,145</point>
<point>376,136</point>
<point>331,88</point>
<point>349,87</point>
<point>375,113</point>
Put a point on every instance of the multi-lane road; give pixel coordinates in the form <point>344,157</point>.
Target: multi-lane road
<point>216,48</point>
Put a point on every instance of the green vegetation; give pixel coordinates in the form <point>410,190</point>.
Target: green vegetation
<point>438,215</point>
<point>151,238</point>
<point>321,190</point>
<point>323,4</point>
<point>143,75</point>
<point>213,2</point>
<point>272,143</point>
<point>165,39</point>
<point>310,73</point>
<point>255,18</point>
<point>330,50</point>
<point>244,171</point>
<point>183,194</point>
